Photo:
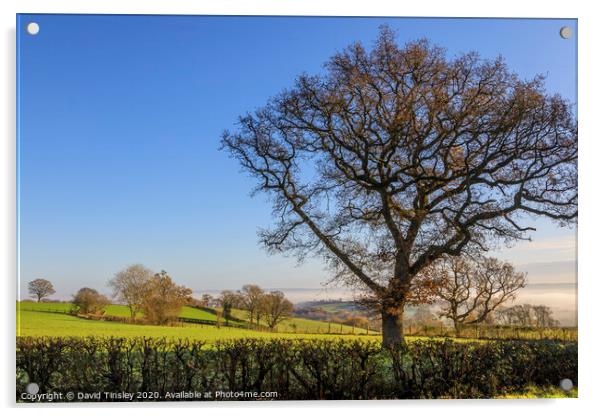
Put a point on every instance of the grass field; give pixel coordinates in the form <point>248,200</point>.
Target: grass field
<point>51,319</point>
<point>301,325</point>
<point>46,306</point>
<point>35,323</point>
<point>194,313</point>
<point>295,325</point>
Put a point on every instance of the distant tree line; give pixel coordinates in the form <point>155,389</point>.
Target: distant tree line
<point>539,316</point>
<point>268,308</point>
<point>262,307</point>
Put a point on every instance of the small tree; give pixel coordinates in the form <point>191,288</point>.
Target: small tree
<point>502,316</point>
<point>129,286</point>
<point>40,288</point>
<point>163,299</point>
<point>206,300</point>
<point>520,315</point>
<point>229,300</point>
<point>251,300</point>
<point>89,301</point>
<point>542,317</point>
<point>218,318</point>
<point>275,308</point>
<point>471,288</point>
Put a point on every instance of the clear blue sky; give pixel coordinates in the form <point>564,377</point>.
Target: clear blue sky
<point>120,119</point>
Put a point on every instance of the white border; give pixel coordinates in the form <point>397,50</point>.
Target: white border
<point>590,200</point>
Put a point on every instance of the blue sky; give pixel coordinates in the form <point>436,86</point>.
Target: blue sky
<point>119,126</point>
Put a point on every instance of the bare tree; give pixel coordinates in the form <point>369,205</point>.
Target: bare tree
<point>398,156</point>
<point>163,299</point>
<point>502,316</point>
<point>525,315</point>
<point>543,317</point>
<point>521,315</point>
<point>251,299</point>
<point>89,301</point>
<point>129,286</point>
<point>275,308</point>
<point>472,288</point>
<point>206,300</point>
<point>229,300</point>
<point>40,288</point>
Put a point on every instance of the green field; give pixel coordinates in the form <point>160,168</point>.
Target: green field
<point>294,325</point>
<point>47,306</point>
<point>31,323</point>
<point>301,325</point>
<point>52,319</point>
<point>194,313</point>
<point>112,310</point>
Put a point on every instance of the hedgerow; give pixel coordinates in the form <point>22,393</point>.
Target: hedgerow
<point>295,369</point>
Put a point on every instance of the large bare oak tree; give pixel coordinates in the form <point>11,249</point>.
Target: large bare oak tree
<point>398,156</point>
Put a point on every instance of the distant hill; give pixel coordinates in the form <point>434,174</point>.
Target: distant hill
<point>332,306</point>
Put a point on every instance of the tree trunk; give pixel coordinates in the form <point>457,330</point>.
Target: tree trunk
<point>392,326</point>
<point>457,328</point>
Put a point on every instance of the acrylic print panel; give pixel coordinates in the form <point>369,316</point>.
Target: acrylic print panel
<point>295,208</point>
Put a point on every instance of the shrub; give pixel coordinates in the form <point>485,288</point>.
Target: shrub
<point>89,301</point>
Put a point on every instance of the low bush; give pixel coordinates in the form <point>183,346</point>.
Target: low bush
<point>295,369</point>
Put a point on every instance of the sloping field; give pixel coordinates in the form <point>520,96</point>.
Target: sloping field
<point>112,310</point>
<point>36,323</point>
<point>293,325</point>
<point>301,325</point>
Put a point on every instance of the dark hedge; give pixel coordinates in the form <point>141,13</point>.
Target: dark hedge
<point>295,369</point>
